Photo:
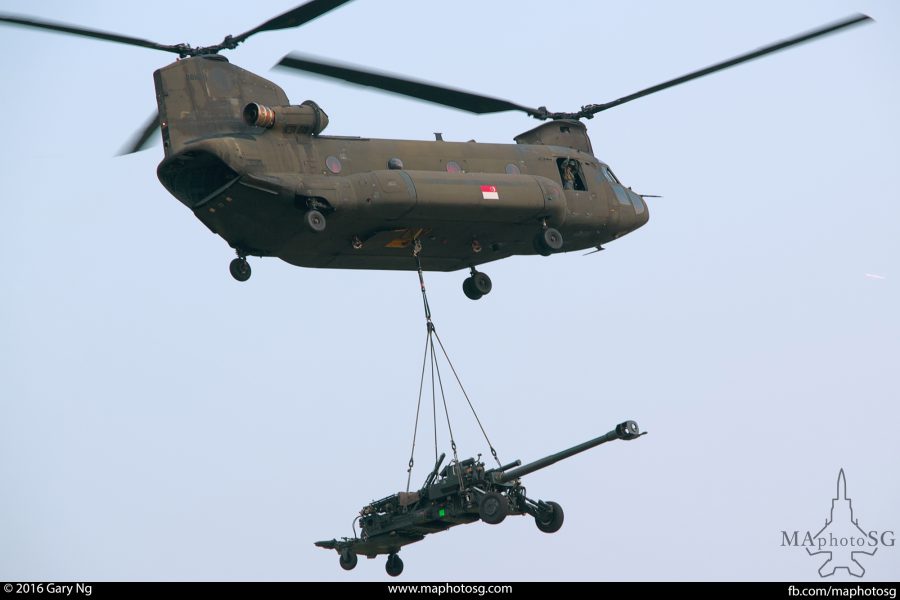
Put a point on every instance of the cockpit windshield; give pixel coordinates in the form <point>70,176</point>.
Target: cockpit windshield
<point>610,176</point>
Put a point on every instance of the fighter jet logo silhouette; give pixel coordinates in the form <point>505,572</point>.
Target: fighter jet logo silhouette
<point>840,528</point>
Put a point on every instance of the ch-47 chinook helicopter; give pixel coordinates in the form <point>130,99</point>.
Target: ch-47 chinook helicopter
<point>257,170</point>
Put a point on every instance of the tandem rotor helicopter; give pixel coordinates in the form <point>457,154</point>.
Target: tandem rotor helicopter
<point>258,171</point>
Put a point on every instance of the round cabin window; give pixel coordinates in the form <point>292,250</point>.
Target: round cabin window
<point>334,164</point>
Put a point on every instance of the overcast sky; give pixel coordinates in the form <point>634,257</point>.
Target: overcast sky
<point>160,421</point>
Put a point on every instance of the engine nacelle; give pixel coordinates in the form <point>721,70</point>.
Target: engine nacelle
<point>305,118</point>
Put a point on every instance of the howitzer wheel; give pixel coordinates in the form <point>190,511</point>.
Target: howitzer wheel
<point>552,520</point>
<point>493,508</point>
<point>394,565</point>
<point>348,559</point>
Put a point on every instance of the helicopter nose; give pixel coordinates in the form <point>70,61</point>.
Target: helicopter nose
<point>633,211</point>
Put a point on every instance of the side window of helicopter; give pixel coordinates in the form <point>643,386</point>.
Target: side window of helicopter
<point>570,174</point>
<point>334,164</point>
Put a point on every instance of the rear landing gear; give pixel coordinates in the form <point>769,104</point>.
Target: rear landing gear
<point>240,268</point>
<point>394,565</point>
<point>477,285</point>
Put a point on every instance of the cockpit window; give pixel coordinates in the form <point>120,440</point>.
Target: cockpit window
<point>610,176</point>
<point>629,198</point>
<point>621,195</point>
<point>638,203</point>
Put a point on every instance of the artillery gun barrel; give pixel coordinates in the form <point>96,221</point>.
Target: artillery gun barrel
<point>624,431</point>
<point>514,463</point>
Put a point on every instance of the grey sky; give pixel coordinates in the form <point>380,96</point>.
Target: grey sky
<point>159,420</point>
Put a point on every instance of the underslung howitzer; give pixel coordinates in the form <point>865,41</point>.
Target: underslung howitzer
<point>462,492</point>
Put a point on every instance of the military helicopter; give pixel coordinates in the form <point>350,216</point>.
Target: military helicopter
<point>258,171</point>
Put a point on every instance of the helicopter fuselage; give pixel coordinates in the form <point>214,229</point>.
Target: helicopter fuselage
<point>252,168</point>
<point>257,171</point>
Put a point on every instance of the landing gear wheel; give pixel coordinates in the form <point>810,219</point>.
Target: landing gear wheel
<point>240,269</point>
<point>493,508</point>
<point>394,565</point>
<point>482,283</point>
<point>477,285</point>
<point>552,521</point>
<point>315,220</point>
<point>548,241</point>
<point>348,559</point>
<point>469,289</point>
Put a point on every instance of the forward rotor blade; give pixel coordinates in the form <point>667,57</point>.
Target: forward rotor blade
<point>856,19</point>
<point>141,138</point>
<point>429,92</point>
<point>85,32</point>
<point>294,17</point>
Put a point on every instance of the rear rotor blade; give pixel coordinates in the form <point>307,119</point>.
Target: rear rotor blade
<point>90,33</point>
<point>857,19</point>
<point>429,92</point>
<point>294,17</point>
<point>141,138</point>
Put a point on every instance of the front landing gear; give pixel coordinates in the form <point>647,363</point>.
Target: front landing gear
<point>548,241</point>
<point>394,565</point>
<point>477,285</point>
<point>315,220</point>
<point>240,268</point>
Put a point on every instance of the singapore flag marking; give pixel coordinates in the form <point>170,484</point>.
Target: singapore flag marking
<point>489,192</point>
